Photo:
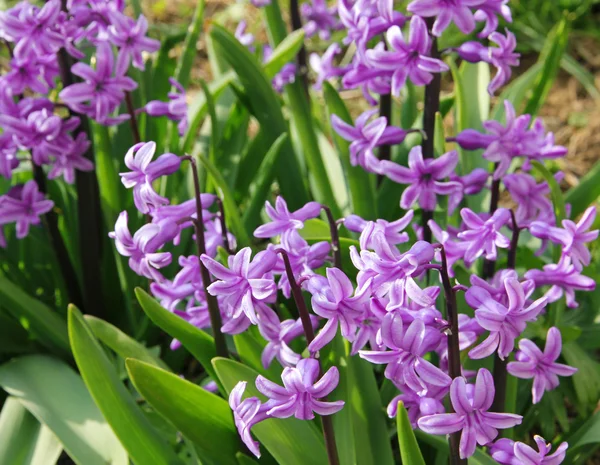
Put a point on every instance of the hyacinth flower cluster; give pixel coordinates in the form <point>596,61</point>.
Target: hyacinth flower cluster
<point>51,90</point>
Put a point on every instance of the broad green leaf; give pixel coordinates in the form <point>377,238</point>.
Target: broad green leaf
<point>264,181</point>
<point>266,108</point>
<point>250,349</point>
<point>23,439</point>
<point>44,323</point>
<point>58,398</point>
<point>201,416</point>
<point>13,337</point>
<point>107,173</point>
<point>284,53</point>
<point>315,229</point>
<point>585,193</point>
<point>121,343</point>
<point>232,212</point>
<point>551,55</point>
<point>556,194</point>
<point>409,448</point>
<point>186,60</point>
<point>243,459</point>
<point>441,444</point>
<point>360,183</point>
<point>200,344</point>
<point>584,441</point>
<point>587,379</point>
<point>199,107</point>
<point>143,443</point>
<point>290,441</point>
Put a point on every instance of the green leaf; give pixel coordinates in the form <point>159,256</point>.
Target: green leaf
<point>199,107</point>
<point>290,441</point>
<point>245,460</point>
<point>142,442</point>
<point>584,441</point>
<point>264,181</point>
<point>44,323</point>
<point>551,55</point>
<point>587,379</point>
<point>23,440</point>
<point>186,60</point>
<point>232,213</point>
<point>107,172</point>
<point>284,53</point>
<point>250,348</point>
<point>197,342</point>
<point>409,448</point>
<point>265,106</point>
<point>121,343</point>
<point>58,398</point>
<point>556,194</point>
<point>361,184</point>
<point>585,193</point>
<point>201,416</point>
<point>516,91</point>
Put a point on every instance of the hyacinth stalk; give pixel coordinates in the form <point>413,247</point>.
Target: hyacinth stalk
<point>213,305</point>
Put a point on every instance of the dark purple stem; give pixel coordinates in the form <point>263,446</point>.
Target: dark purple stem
<point>514,241</point>
<point>213,305</point>
<point>328,432</point>
<point>296,21</point>
<point>135,130</point>
<point>454,369</point>
<point>223,222</point>
<point>335,238</point>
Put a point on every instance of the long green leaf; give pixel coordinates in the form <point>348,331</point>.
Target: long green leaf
<point>201,416</point>
<point>516,91</point>
<point>232,212</point>
<point>584,441</point>
<point>558,199</point>
<point>284,53</point>
<point>44,323</point>
<point>23,439</point>
<point>585,193</point>
<point>361,184</point>
<point>409,448</point>
<point>143,443</point>
<point>290,441</point>
<point>121,343</point>
<point>266,108</point>
<point>264,181</point>
<point>58,398</point>
<point>200,344</point>
<point>551,55</point>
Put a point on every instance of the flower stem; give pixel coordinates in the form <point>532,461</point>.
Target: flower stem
<point>328,432</point>
<point>454,369</point>
<point>135,130</point>
<point>514,241</point>
<point>296,21</point>
<point>223,222</point>
<point>213,305</point>
<point>335,238</point>
<point>432,106</point>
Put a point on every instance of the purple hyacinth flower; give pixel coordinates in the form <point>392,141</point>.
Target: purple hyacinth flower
<point>176,109</point>
<point>23,205</point>
<point>563,278</point>
<point>445,12</point>
<point>101,93</point>
<point>142,248</point>
<point>278,335</point>
<point>323,65</point>
<point>483,235</point>
<point>301,391</point>
<point>404,360</point>
<point>130,37</point>
<point>245,38</point>
<point>72,159</point>
<point>572,236</point>
<point>408,60</point>
<point>505,322</point>
<point>319,18</point>
<point>502,57</point>
<point>369,326</point>
<point>284,221</point>
<point>393,232</point>
<point>144,172</point>
<point>532,199</point>
<point>471,404</point>
<point>541,366</point>
<point>418,406</point>
<point>455,248</point>
<point>260,3</point>
<point>246,414</point>
<point>335,303</point>
<point>507,452</point>
<point>8,155</point>
<point>425,178</point>
<point>245,283</point>
<point>488,11</point>
<point>26,72</point>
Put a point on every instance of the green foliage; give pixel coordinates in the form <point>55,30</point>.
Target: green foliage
<point>409,448</point>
